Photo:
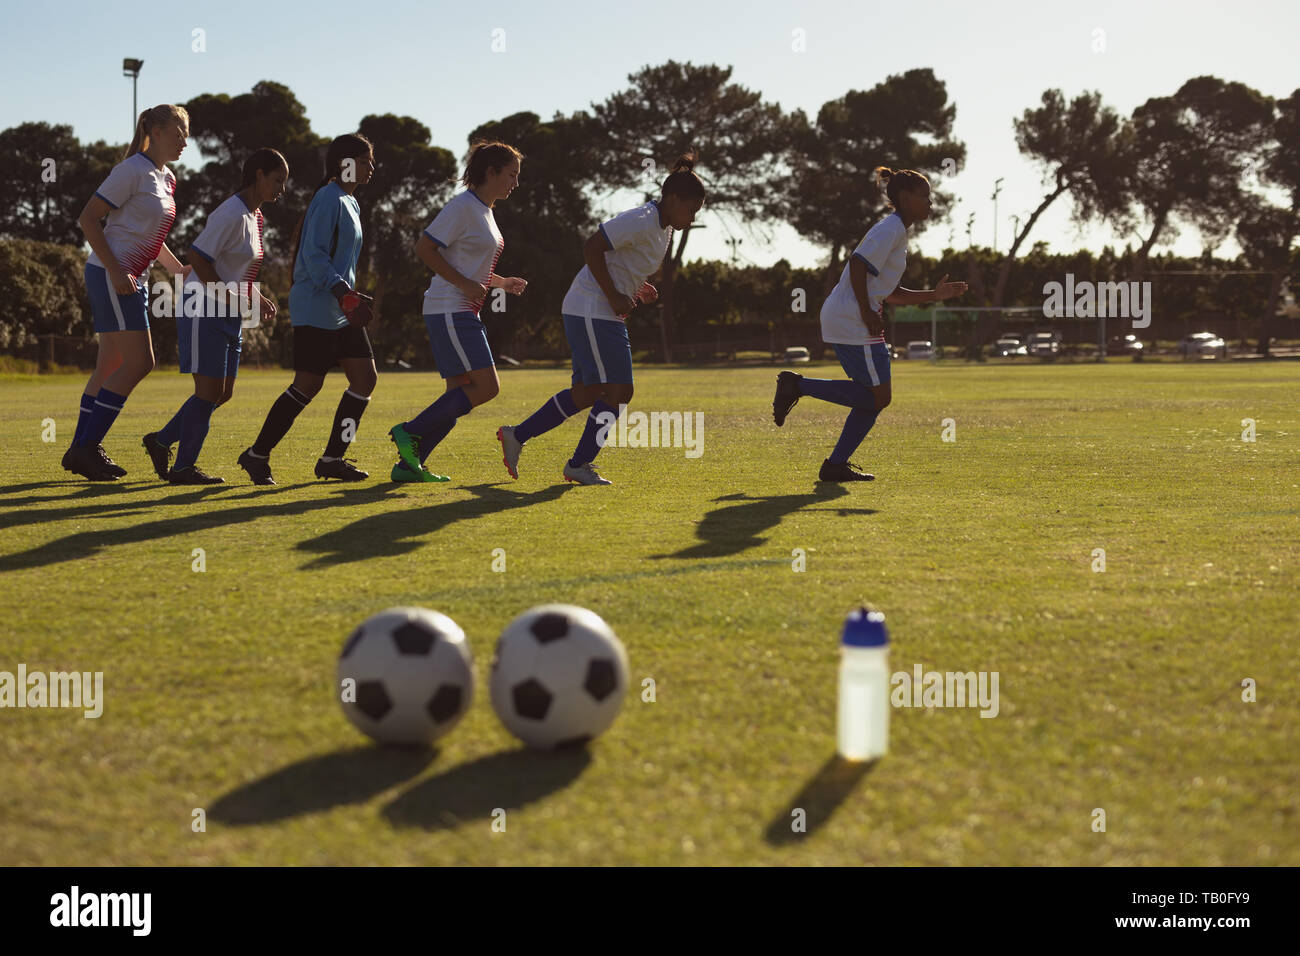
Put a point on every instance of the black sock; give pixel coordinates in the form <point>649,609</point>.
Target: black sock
<point>279,420</point>
<point>346,421</point>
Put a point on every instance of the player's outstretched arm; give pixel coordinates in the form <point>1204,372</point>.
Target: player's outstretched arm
<point>944,290</point>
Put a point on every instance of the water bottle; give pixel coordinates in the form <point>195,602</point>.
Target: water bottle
<point>864,686</point>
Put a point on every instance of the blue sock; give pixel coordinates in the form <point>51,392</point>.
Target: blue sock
<point>198,415</point>
<point>431,441</point>
<point>170,433</point>
<point>839,391</point>
<point>433,424</point>
<point>855,430</point>
<point>107,406</point>
<point>83,417</point>
<point>557,408</point>
<point>590,444</point>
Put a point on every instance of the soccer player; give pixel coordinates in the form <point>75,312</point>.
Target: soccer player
<point>462,246</point>
<point>138,202</point>
<point>226,258</point>
<point>621,255</point>
<point>329,317</point>
<point>853,326</point>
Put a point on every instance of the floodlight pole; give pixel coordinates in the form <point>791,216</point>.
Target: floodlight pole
<point>131,68</point>
<point>997,188</point>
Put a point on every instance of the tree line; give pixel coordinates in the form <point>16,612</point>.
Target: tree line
<point>1216,157</point>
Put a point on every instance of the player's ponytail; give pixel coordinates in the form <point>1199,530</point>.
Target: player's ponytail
<point>484,156</point>
<point>341,149</point>
<point>683,181</point>
<point>264,161</point>
<point>891,181</point>
<point>151,119</point>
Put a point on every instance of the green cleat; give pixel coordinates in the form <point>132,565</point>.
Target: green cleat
<point>408,447</point>
<point>401,472</point>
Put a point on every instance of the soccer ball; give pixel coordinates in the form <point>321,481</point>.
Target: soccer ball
<point>413,679</point>
<point>558,677</point>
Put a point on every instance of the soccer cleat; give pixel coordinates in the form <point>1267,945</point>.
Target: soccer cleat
<point>510,449</point>
<point>193,475</point>
<point>259,469</point>
<point>403,472</point>
<point>408,447</point>
<point>110,466</point>
<point>159,454</point>
<point>82,460</point>
<point>340,468</point>
<point>584,475</point>
<point>787,396</point>
<point>842,471</point>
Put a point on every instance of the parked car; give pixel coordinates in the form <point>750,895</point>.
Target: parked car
<point>1124,345</point>
<point>1009,346</point>
<point>1044,344</point>
<point>1203,345</point>
<point>921,350</point>
<point>795,354</point>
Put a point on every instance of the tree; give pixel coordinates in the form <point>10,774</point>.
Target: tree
<point>671,109</point>
<point>835,197</point>
<point>46,178</point>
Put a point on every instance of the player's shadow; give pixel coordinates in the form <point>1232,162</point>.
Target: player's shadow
<point>394,533</point>
<point>505,781</point>
<point>85,544</point>
<point>733,528</point>
<point>321,783</point>
<point>77,488</point>
<point>817,801</point>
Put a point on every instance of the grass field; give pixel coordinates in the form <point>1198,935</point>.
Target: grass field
<point>1118,690</point>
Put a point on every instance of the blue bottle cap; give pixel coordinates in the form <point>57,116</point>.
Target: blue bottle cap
<point>865,628</point>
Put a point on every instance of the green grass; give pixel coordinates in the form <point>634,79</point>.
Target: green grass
<point>1119,690</point>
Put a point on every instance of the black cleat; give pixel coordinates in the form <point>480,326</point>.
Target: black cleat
<point>192,475</point>
<point>341,469</point>
<point>159,454</point>
<point>843,471</point>
<point>110,466</point>
<point>84,461</point>
<point>787,396</point>
<point>259,469</point>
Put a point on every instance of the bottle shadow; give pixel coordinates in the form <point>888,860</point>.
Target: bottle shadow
<point>818,799</point>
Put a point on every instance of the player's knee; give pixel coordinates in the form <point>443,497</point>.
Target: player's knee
<point>308,388</point>
<point>883,398</point>
<point>362,385</point>
<point>488,391</point>
<point>227,393</point>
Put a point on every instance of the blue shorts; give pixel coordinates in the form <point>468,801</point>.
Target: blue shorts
<point>866,364</point>
<point>459,343</point>
<point>113,312</point>
<point>207,347</point>
<point>602,352</point>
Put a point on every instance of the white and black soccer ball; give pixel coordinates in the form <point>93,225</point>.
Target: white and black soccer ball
<point>559,676</point>
<point>412,676</point>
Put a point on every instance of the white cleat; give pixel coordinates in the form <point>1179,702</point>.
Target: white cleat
<point>584,475</point>
<point>510,449</point>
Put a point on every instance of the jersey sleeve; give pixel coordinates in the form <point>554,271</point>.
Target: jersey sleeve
<point>878,243</point>
<point>317,236</point>
<point>122,183</point>
<point>449,225</point>
<point>624,228</point>
<point>220,233</point>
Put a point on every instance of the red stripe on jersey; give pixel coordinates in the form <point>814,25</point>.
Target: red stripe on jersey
<point>492,270</point>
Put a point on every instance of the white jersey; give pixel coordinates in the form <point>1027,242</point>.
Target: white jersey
<point>637,246</point>
<point>143,198</point>
<point>884,250</point>
<point>232,241</point>
<point>467,236</point>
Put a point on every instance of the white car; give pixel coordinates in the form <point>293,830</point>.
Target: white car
<point>1202,344</point>
<point>920,350</point>
<point>796,353</point>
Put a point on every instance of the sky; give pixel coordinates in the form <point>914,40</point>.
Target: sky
<point>436,61</point>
